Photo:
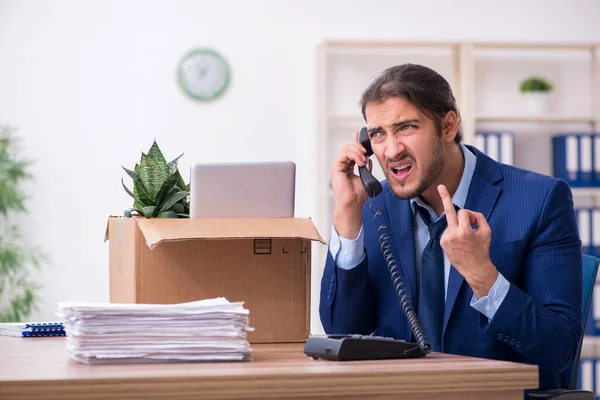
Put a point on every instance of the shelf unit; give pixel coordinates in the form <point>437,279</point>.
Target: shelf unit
<point>586,191</point>
<point>345,68</point>
<point>536,119</point>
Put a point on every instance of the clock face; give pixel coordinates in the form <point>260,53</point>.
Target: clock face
<point>203,74</point>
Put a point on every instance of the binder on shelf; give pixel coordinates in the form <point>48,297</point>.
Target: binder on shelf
<point>499,146</point>
<point>588,224</point>
<point>574,158</point>
<point>586,374</point>
<point>596,163</point>
<point>492,148</point>
<point>480,141</point>
<point>507,148</point>
<point>32,329</point>
<point>565,158</point>
<point>586,158</point>
<point>585,226</point>
<point>592,324</point>
<point>592,327</point>
<point>595,228</point>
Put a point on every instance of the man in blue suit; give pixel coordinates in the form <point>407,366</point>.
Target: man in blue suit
<point>490,254</point>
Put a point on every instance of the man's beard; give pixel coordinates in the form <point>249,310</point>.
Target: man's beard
<point>434,169</point>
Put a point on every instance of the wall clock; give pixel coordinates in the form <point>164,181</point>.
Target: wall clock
<point>203,74</point>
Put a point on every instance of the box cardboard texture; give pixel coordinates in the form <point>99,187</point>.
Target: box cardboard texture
<point>264,262</point>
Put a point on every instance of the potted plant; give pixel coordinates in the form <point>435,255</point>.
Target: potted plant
<point>159,191</point>
<point>536,91</point>
<point>18,291</point>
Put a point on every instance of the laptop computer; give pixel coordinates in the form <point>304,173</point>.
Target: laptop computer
<point>243,190</point>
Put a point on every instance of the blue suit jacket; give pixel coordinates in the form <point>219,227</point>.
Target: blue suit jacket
<point>535,244</point>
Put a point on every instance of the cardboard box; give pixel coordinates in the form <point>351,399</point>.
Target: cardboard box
<point>264,262</point>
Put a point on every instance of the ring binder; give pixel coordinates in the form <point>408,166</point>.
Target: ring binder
<point>498,145</point>
<point>32,329</point>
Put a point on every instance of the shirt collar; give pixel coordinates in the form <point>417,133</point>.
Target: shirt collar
<point>460,196</point>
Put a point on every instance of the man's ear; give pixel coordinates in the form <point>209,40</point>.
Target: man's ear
<point>449,126</point>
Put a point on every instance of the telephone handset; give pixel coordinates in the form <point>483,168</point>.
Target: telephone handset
<point>371,184</point>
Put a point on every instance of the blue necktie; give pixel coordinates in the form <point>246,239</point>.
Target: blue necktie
<point>431,300</point>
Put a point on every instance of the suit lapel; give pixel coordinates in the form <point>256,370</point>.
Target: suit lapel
<point>402,239</point>
<point>482,197</point>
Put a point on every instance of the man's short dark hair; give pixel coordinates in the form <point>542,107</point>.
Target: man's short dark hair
<point>427,90</point>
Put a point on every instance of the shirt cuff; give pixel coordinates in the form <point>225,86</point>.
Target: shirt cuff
<point>488,305</point>
<point>347,253</point>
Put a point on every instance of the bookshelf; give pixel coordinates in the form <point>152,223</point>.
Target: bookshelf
<point>485,79</point>
<point>537,119</point>
<point>586,191</point>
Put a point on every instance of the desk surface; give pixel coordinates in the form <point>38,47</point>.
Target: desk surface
<point>41,368</point>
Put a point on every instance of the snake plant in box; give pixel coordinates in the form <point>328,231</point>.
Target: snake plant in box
<point>158,188</point>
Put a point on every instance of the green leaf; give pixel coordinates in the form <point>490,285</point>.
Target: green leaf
<point>183,215</point>
<point>166,191</point>
<point>129,192</point>
<point>148,211</point>
<point>157,155</point>
<point>180,181</point>
<point>173,190</point>
<point>152,175</point>
<point>129,211</point>
<point>178,208</point>
<point>133,175</point>
<point>138,205</point>
<point>167,214</point>
<point>139,190</point>
<point>142,197</point>
<point>173,164</point>
<point>174,199</point>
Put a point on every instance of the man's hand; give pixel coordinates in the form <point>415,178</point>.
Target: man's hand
<point>348,191</point>
<point>468,249</point>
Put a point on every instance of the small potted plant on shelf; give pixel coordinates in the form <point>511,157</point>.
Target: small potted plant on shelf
<point>158,188</point>
<point>536,91</point>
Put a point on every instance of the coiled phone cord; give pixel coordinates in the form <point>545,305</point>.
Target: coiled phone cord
<point>398,282</point>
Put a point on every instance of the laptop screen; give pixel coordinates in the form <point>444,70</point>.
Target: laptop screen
<point>243,190</point>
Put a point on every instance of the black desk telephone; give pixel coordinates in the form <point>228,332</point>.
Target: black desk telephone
<point>365,347</point>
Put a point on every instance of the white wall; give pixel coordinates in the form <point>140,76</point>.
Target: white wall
<point>92,83</point>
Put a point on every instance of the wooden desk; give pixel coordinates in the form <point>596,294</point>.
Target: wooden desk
<point>40,368</point>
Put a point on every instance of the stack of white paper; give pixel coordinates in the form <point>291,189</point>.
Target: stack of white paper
<point>206,330</point>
